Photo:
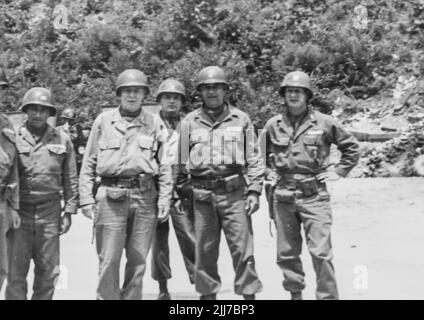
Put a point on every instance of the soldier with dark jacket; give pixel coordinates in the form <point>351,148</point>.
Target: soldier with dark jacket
<point>74,131</point>
<point>171,97</point>
<point>48,174</point>
<point>298,145</point>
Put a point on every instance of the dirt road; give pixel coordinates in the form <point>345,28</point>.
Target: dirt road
<point>378,238</point>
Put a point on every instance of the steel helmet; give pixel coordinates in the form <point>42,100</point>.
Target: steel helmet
<point>211,74</point>
<point>38,96</point>
<point>68,113</point>
<point>171,86</point>
<point>3,79</point>
<point>129,78</point>
<point>297,79</point>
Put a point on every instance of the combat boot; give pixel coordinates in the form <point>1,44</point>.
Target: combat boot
<point>296,295</point>
<point>163,291</point>
<point>249,297</point>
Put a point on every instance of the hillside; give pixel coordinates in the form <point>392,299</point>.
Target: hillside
<point>368,72</point>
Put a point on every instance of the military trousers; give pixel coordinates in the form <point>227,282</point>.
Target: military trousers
<point>315,214</point>
<point>125,219</point>
<point>184,230</point>
<point>4,227</point>
<point>37,239</point>
<point>216,210</point>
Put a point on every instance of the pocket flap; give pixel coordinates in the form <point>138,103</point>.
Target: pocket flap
<point>284,195</point>
<point>199,136</point>
<point>281,141</point>
<point>114,144</point>
<point>145,142</point>
<point>56,148</point>
<point>109,144</point>
<point>233,136</point>
<point>312,140</point>
<point>23,148</point>
<point>202,195</point>
<point>116,194</point>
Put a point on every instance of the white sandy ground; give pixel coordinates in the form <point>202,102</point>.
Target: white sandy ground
<point>378,238</point>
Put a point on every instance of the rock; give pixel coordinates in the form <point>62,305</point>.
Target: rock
<point>419,165</point>
<point>389,129</point>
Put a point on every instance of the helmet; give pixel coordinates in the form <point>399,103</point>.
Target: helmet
<point>171,86</point>
<point>131,77</point>
<point>211,74</point>
<point>39,96</point>
<point>297,79</point>
<point>68,113</point>
<point>3,79</point>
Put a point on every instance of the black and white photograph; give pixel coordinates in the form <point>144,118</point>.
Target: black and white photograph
<point>232,150</point>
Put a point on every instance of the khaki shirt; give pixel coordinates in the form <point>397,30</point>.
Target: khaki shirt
<point>223,148</point>
<point>307,150</point>
<point>9,179</point>
<point>47,167</point>
<point>118,148</point>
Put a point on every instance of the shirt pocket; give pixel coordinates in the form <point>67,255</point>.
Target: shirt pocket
<point>56,149</point>
<point>56,153</point>
<point>147,147</point>
<point>146,142</point>
<point>22,149</point>
<point>108,151</point>
<point>313,145</point>
<point>199,136</point>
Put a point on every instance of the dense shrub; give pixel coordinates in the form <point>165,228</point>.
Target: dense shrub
<point>257,42</point>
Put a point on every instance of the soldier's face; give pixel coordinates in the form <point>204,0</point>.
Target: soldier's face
<point>132,97</point>
<point>296,99</point>
<point>171,102</point>
<point>37,115</point>
<point>213,94</point>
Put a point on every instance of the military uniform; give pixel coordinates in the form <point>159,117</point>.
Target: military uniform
<point>298,156</point>
<point>219,153</point>
<point>125,156</point>
<point>9,193</point>
<point>183,223</point>
<point>46,169</point>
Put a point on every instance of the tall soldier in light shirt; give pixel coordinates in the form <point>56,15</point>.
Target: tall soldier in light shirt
<point>135,190</point>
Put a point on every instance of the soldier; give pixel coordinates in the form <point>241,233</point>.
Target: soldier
<point>135,189</point>
<point>74,130</point>
<point>46,168</point>
<point>297,151</point>
<point>9,181</point>
<point>213,137</point>
<point>171,97</point>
